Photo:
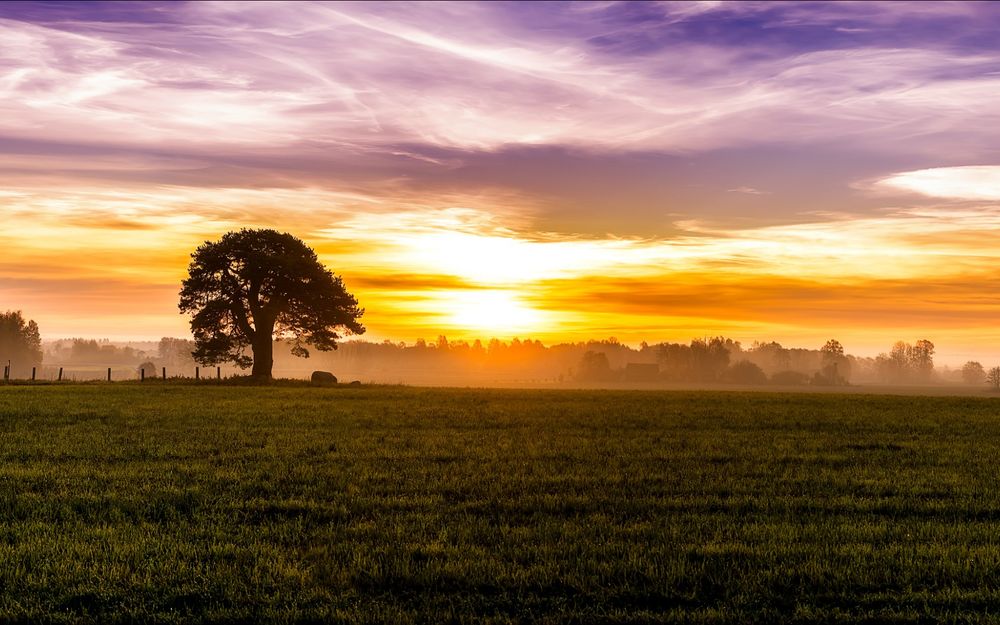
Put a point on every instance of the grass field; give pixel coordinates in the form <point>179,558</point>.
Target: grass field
<point>171,503</point>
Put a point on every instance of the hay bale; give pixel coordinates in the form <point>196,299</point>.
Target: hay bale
<point>323,378</point>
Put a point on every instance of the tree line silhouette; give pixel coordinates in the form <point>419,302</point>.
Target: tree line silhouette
<point>703,360</point>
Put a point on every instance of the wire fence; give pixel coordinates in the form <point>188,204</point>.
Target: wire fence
<point>117,373</point>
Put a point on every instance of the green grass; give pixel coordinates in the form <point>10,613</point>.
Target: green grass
<point>179,503</point>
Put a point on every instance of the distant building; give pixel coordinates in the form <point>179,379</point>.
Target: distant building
<point>641,372</point>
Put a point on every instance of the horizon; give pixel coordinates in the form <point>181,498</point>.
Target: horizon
<point>789,172</point>
<point>431,342</point>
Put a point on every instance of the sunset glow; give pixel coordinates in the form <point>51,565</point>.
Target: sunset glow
<point>558,171</point>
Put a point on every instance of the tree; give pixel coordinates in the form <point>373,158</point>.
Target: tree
<point>744,372</point>
<point>709,358</point>
<point>175,352</point>
<point>835,367</point>
<point>899,358</point>
<point>993,378</point>
<point>832,350</point>
<point>922,359</point>
<point>775,356</point>
<point>254,286</point>
<point>20,341</point>
<point>594,367</point>
<point>973,373</point>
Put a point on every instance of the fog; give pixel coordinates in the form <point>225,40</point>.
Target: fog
<point>706,362</point>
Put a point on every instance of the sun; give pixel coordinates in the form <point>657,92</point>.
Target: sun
<point>499,311</point>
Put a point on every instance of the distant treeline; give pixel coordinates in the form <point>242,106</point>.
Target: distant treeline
<point>704,360</point>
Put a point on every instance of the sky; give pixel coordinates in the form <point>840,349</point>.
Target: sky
<point>559,171</point>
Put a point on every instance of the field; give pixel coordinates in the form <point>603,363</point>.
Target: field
<point>178,503</point>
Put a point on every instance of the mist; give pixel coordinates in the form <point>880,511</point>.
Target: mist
<point>607,363</point>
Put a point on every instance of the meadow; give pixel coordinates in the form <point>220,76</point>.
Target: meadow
<point>169,502</point>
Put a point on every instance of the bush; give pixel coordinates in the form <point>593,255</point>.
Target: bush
<point>744,372</point>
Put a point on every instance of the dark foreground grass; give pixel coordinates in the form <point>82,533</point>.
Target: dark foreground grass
<point>380,505</point>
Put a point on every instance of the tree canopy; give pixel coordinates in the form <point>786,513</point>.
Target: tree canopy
<point>256,285</point>
<point>20,340</point>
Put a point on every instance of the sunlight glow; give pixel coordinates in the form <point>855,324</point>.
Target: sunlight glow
<point>497,312</point>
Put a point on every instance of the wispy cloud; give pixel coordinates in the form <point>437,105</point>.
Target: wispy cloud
<point>972,182</point>
<point>469,76</point>
<point>451,154</point>
<point>748,191</point>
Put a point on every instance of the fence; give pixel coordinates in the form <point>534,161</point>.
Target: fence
<point>90,373</point>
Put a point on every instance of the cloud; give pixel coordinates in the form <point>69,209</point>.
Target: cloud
<point>470,77</point>
<point>972,182</point>
<point>748,191</point>
<point>556,161</point>
<point>440,265</point>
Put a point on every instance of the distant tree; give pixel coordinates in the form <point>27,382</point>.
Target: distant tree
<point>176,352</point>
<point>709,358</point>
<point>744,372</point>
<point>674,360</point>
<point>899,358</point>
<point>776,357</point>
<point>835,368</point>
<point>20,341</point>
<point>922,360</point>
<point>594,367</point>
<point>85,350</point>
<point>828,376</point>
<point>148,369</point>
<point>973,373</point>
<point>254,286</point>
<point>832,350</point>
<point>993,378</point>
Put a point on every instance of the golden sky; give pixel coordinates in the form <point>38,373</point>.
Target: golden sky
<point>558,172</point>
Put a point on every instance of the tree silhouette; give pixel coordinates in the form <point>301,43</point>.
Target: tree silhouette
<point>993,378</point>
<point>254,286</point>
<point>973,372</point>
<point>594,367</point>
<point>709,358</point>
<point>832,350</point>
<point>20,341</point>
<point>835,367</point>
<point>744,372</point>
<point>922,358</point>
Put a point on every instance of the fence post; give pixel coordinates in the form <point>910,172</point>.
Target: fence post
<point>109,374</point>
<point>60,375</point>
<point>164,373</point>
<point>142,374</point>
<point>6,372</point>
<point>197,373</point>
<point>218,373</point>
<point>32,374</point>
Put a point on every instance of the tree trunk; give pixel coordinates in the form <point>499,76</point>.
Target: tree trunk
<point>263,355</point>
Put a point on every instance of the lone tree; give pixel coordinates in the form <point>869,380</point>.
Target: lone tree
<point>20,341</point>
<point>254,286</point>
